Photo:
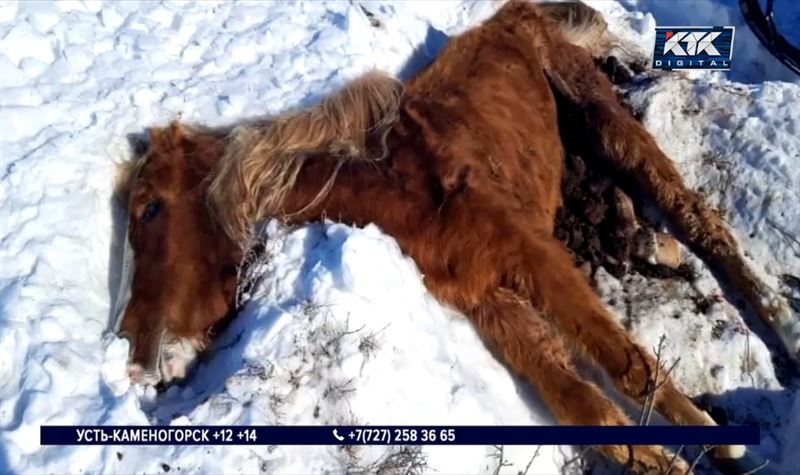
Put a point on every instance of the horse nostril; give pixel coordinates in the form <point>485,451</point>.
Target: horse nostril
<point>140,375</point>
<point>142,371</point>
<point>135,373</point>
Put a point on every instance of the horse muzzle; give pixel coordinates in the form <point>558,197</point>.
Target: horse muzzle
<point>148,371</point>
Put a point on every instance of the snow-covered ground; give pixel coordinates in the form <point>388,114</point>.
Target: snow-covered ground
<point>340,329</point>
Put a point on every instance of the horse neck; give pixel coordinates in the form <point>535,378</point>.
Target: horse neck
<point>396,193</point>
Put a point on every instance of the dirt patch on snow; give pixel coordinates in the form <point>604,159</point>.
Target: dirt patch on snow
<point>593,222</point>
<point>593,228</point>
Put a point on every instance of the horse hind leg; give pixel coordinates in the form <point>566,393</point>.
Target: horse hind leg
<point>544,272</point>
<point>509,324</point>
<point>612,131</point>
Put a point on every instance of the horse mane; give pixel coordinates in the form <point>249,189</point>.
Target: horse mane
<point>262,159</point>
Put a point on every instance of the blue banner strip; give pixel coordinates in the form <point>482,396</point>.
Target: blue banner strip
<point>399,435</point>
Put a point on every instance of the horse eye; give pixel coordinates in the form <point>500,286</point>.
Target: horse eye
<point>150,211</point>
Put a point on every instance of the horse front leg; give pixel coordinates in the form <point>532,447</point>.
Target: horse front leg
<point>543,271</point>
<point>530,346</point>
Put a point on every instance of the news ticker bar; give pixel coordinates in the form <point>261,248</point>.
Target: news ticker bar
<point>399,435</point>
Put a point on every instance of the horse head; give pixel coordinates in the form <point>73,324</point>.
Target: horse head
<point>180,267</point>
<point>193,198</point>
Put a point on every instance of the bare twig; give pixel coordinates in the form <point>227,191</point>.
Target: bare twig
<point>706,449</point>
<point>578,458</point>
<point>249,270</point>
<point>405,460</point>
<point>501,461</point>
<point>530,462</point>
<point>757,469</point>
<point>747,367</point>
<point>794,243</point>
<point>654,384</point>
<point>311,308</point>
<point>674,459</point>
<point>368,344</point>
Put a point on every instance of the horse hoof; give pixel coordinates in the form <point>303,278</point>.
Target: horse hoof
<point>657,248</point>
<point>779,315</point>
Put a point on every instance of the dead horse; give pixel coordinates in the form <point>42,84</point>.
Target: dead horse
<point>462,166</point>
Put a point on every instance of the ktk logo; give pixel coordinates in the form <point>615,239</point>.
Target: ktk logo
<point>693,47</point>
<point>696,42</point>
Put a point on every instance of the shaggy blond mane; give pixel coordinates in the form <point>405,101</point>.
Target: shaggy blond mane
<point>262,160</point>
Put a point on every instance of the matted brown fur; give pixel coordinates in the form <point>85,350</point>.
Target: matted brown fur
<point>462,166</point>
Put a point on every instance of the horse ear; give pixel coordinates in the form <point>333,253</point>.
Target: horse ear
<point>175,133</point>
<point>168,138</point>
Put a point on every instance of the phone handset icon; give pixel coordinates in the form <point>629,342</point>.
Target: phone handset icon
<point>338,437</point>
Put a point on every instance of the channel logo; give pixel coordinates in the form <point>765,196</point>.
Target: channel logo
<point>693,47</point>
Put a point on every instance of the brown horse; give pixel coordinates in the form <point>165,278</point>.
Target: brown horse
<point>462,165</point>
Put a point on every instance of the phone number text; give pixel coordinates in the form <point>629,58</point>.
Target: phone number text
<point>401,436</point>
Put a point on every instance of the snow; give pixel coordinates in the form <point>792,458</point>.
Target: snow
<point>340,329</point>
